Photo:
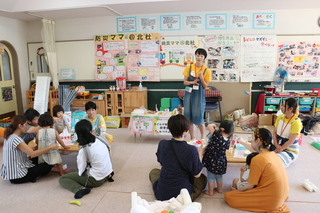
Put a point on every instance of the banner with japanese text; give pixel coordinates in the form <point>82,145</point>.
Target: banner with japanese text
<point>258,54</point>
<point>143,57</point>
<point>110,51</point>
<point>223,57</point>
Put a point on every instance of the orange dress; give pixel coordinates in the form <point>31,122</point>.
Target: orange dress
<point>271,191</point>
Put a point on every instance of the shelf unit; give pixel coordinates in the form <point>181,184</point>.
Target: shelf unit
<point>118,102</point>
<point>80,102</point>
<point>307,104</point>
<point>53,99</point>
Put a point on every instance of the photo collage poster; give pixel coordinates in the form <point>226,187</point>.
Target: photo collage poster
<point>300,59</point>
<point>223,57</point>
<point>143,57</point>
<point>176,52</point>
<point>110,51</point>
<point>258,53</point>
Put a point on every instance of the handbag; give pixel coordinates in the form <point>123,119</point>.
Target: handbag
<point>191,177</point>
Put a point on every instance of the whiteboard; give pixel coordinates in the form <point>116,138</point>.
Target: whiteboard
<point>72,54</point>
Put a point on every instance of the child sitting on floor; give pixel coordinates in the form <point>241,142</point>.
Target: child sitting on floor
<point>45,137</point>
<point>215,159</point>
<point>244,173</point>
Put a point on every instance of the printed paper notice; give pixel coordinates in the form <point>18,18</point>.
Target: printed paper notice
<point>148,23</point>
<point>216,21</point>
<point>171,22</point>
<point>239,21</point>
<point>126,24</point>
<point>193,22</point>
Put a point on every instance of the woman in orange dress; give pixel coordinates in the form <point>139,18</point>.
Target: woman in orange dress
<point>267,188</point>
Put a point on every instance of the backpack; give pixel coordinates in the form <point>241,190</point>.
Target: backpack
<point>308,123</point>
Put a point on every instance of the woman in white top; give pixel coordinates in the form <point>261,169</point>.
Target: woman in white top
<point>94,163</point>
<point>16,165</point>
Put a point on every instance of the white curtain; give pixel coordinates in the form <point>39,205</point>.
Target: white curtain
<point>49,44</point>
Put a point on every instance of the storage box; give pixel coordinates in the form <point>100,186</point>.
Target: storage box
<point>273,100</point>
<point>270,108</point>
<point>306,101</point>
<point>268,127</point>
<point>318,101</point>
<point>265,119</point>
<point>165,102</point>
<point>112,121</point>
<point>305,108</point>
<point>125,119</point>
<point>175,102</point>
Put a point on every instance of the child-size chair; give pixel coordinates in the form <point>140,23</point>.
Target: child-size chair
<point>212,104</point>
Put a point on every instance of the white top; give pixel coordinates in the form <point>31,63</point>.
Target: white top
<point>245,175</point>
<point>99,158</point>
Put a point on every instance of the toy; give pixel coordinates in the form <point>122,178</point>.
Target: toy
<point>76,202</point>
<point>181,204</point>
<point>308,185</point>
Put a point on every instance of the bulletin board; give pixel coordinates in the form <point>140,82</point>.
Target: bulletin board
<point>300,56</point>
<point>80,56</point>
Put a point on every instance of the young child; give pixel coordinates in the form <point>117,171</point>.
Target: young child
<point>46,136</point>
<point>244,173</point>
<point>215,159</point>
<point>60,122</point>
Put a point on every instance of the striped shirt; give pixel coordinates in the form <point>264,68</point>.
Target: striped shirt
<point>15,162</point>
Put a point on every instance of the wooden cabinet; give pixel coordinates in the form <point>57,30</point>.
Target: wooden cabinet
<point>118,102</point>
<point>80,103</point>
<point>114,102</point>
<point>134,99</point>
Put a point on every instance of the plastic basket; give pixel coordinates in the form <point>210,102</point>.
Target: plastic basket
<point>273,100</point>
<point>112,121</point>
<point>270,108</point>
<point>4,125</point>
<point>165,102</point>
<point>306,101</point>
<point>318,101</point>
<point>305,107</point>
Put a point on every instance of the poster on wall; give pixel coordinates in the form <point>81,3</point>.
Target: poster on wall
<point>300,59</point>
<point>264,20</point>
<point>223,57</point>
<point>68,74</point>
<point>110,57</point>
<point>170,22</point>
<point>193,22</point>
<point>216,21</point>
<point>148,23</point>
<point>143,57</point>
<point>176,52</point>
<point>258,53</point>
<point>6,93</point>
<point>239,21</point>
<point>126,25</point>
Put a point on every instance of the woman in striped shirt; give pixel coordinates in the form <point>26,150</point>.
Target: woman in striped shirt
<point>16,165</point>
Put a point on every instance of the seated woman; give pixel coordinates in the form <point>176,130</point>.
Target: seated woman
<point>99,126</point>
<point>267,188</point>
<point>16,165</point>
<point>287,132</point>
<point>181,163</point>
<point>93,160</point>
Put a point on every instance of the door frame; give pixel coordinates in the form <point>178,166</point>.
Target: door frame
<point>16,73</point>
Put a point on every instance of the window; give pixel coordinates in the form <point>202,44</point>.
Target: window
<point>6,66</point>
<point>41,61</point>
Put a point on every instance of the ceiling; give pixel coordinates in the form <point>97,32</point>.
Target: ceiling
<point>31,10</point>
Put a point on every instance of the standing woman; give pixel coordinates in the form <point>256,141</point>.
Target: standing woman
<point>267,188</point>
<point>287,132</point>
<point>196,78</point>
<point>16,165</point>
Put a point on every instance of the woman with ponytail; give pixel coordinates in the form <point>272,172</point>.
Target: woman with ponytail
<point>93,160</point>
<point>16,165</point>
<point>267,188</point>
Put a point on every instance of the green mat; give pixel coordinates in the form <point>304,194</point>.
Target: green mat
<point>316,145</point>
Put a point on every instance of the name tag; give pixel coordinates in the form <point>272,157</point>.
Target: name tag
<point>188,89</point>
<point>195,87</point>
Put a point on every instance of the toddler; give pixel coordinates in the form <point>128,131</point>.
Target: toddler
<point>215,159</point>
<point>60,122</point>
<point>45,137</point>
<point>244,173</point>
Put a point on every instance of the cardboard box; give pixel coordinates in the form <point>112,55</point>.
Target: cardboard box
<point>125,119</point>
<point>265,119</point>
<point>269,127</point>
